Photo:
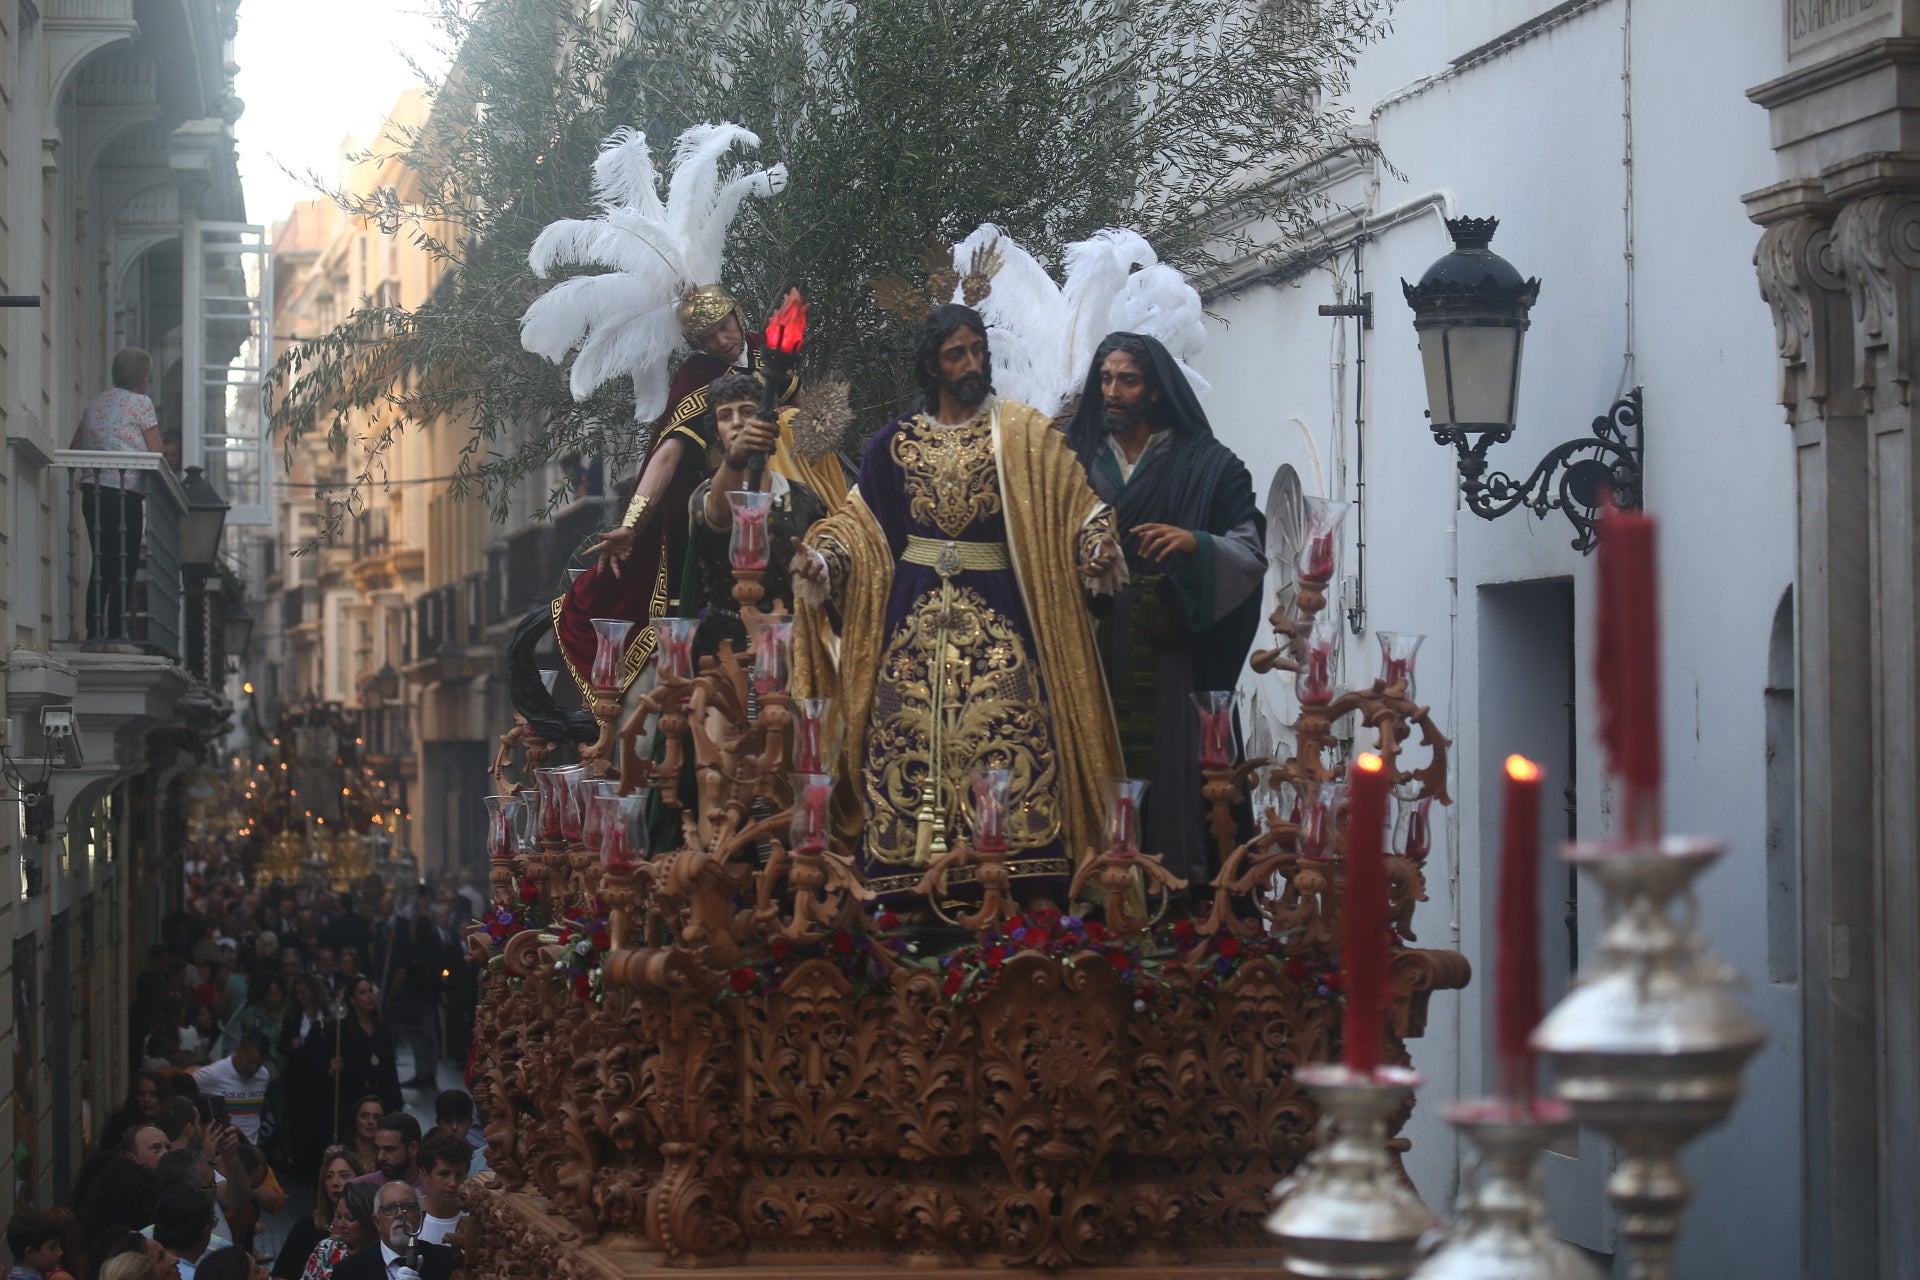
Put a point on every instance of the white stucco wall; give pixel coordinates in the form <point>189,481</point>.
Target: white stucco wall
<point>1535,136</point>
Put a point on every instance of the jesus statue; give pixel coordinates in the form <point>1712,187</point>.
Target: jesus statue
<point>944,607</point>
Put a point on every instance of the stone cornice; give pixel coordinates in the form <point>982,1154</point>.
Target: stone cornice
<point>1894,51</point>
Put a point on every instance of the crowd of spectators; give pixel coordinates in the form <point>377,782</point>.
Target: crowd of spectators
<point>267,1131</point>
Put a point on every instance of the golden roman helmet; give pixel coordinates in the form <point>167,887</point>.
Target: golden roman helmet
<point>702,309</point>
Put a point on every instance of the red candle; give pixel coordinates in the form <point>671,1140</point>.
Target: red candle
<point>1517,1005</point>
<point>1627,667</point>
<point>1364,942</point>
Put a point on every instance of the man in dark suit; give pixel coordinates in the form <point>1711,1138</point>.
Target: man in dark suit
<point>398,1255</point>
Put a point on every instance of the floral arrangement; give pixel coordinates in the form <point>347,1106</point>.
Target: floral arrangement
<point>865,957</point>
<point>584,942</point>
<point>1218,957</point>
<point>973,971</point>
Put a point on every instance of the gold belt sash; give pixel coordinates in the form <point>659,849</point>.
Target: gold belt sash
<point>951,557</point>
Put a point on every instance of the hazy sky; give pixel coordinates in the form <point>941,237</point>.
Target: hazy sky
<point>313,74</point>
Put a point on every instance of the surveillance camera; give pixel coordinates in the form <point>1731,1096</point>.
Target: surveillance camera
<point>60,728</point>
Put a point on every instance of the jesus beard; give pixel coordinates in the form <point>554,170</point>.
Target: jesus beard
<point>970,390</point>
<point>1119,417</point>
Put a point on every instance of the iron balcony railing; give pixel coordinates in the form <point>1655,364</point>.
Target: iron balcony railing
<point>123,581</point>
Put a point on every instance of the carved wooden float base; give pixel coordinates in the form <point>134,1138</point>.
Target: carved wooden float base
<point>528,1240</point>
<point>1060,1122</point>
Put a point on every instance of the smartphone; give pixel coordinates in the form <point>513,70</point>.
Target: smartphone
<point>219,1109</point>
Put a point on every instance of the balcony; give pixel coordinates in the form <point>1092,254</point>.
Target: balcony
<point>136,639</point>
<point>125,590</point>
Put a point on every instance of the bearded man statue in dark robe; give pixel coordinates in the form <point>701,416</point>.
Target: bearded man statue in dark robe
<point>1195,546</point>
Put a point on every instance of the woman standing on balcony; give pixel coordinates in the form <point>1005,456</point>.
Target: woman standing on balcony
<point>120,419</point>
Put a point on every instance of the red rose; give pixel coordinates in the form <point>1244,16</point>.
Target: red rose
<point>1182,929</point>
<point>1297,968</point>
<point>781,948</point>
<point>995,956</point>
<point>1120,960</point>
<point>582,987</point>
<point>843,942</point>
<point>1229,947</point>
<point>1096,932</point>
<point>602,937</point>
<point>952,984</point>
<point>742,980</point>
<point>1332,979</point>
<point>529,890</point>
<point>888,920</point>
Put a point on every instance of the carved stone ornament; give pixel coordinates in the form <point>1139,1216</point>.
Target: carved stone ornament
<point>1878,241</point>
<point>1800,279</point>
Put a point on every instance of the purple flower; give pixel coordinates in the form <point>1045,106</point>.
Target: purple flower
<point>1018,935</point>
<point>1325,990</point>
<point>1071,922</point>
<point>1222,965</point>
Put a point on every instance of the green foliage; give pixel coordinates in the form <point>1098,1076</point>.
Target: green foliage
<point>904,123</point>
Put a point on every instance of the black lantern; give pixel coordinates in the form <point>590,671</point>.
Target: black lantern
<point>203,522</point>
<point>237,627</point>
<point>387,682</point>
<point>1470,310</point>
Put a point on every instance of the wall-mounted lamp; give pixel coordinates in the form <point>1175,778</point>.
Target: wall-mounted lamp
<point>1470,310</point>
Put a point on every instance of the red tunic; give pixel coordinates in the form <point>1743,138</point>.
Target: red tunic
<point>648,583</point>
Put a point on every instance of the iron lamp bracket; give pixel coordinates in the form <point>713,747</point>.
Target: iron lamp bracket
<point>1574,478</point>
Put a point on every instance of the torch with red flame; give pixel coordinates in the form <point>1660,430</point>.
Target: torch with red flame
<point>786,334</point>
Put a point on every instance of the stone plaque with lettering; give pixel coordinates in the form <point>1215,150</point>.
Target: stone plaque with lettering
<point>1822,28</point>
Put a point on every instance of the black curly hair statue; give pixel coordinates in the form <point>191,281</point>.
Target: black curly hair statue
<point>941,324</point>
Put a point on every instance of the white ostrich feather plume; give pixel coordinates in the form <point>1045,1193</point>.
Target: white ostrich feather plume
<point>1044,334</point>
<point>622,319</point>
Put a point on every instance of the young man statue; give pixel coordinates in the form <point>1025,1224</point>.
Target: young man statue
<point>734,400</point>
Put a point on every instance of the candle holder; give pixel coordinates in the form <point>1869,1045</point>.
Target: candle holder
<point>1348,1213</point>
<point>747,549</point>
<point>610,646</point>
<point>815,735</point>
<point>1503,1232</point>
<point>1319,552</point>
<point>668,700</point>
<point>1320,821</point>
<point>822,881</point>
<point>1399,652</point>
<point>1648,1047</point>
<point>747,540</point>
<point>625,879</point>
<point>1215,710</point>
<point>1130,881</point>
<point>772,648</point>
<point>505,820</point>
<point>1313,684</point>
<point>985,850</point>
<point>1413,827</point>
<point>503,816</point>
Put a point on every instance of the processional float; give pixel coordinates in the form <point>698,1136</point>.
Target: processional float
<point>712,1050</point>
<point>703,1044</point>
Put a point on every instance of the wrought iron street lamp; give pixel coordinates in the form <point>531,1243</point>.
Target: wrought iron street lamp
<point>1470,310</point>
<point>237,626</point>
<point>201,526</point>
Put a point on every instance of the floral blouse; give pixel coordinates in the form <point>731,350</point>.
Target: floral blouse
<point>325,1257</point>
<point>116,420</point>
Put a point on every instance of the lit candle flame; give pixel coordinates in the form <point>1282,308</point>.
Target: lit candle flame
<point>1370,762</point>
<point>1521,769</point>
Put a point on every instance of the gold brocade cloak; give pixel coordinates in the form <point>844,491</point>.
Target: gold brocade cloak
<point>1047,502</point>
